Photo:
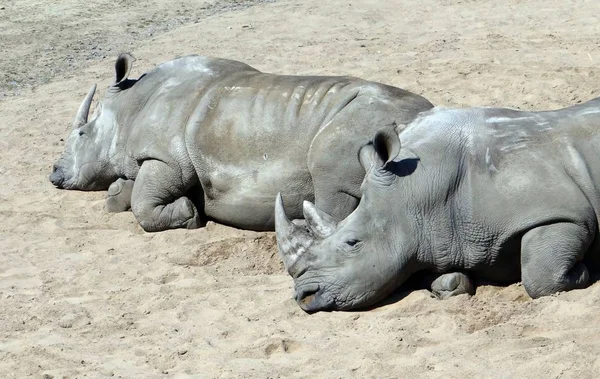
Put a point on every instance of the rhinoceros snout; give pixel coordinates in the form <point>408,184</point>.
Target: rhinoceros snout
<point>311,299</point>
<point>57,178</point>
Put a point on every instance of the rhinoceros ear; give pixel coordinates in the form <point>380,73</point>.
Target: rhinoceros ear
<point>365,156</point>
<point>123,66</point>
<point>386,145</point>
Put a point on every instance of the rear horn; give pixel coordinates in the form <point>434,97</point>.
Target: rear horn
<point>320,223</point>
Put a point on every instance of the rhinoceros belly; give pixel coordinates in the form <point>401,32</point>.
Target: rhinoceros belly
<point>245,196</point>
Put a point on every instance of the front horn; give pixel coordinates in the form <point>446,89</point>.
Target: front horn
<point>84,109</point>
<point>292,239</point>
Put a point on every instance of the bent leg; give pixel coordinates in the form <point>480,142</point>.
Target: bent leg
<point>452,284</point>
<point>337,186</point>
<point>336,204</point>
<point>551,258</point>
<point>158,199</point>
<point>335,169</point>
<point>118,198</point>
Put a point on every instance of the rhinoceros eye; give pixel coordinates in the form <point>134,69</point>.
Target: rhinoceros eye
<point>81,132</point>
<point>352,242</point>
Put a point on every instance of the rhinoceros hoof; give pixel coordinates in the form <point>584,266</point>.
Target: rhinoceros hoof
<point>187,213</point>
<point>115,205</point>
<point>452,284</point>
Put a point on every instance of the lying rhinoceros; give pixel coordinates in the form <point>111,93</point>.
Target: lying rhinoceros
<point>495,194</point>
<point>204,137</point>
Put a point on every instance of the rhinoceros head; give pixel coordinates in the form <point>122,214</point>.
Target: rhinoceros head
<point>360,260</point>
<point>87,162</point>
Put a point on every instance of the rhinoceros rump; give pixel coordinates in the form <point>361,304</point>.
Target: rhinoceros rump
<point>494,194</point>
<point>203,138</point>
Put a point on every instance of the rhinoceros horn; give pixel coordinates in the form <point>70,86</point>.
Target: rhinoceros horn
<point>320,223</point>
<point>84,109</point>
<point>292,239</point>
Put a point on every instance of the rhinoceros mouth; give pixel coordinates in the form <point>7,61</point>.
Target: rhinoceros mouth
<point>312,298</point>
<point>57,178</point>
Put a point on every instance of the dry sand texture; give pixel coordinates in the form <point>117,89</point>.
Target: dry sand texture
<point>84,293</point>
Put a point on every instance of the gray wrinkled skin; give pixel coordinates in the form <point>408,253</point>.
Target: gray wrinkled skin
<point>204,138</point>
<point>492,194</point>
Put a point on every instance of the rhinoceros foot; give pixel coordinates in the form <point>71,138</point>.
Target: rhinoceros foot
<point>118,198</point>
<point>452,284</point>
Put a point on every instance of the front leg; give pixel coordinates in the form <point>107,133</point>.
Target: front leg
<point>118,198</point>
<point>158,199</point>
<point>336,204</point>
<point>452,284</point>
<point>551,258</point>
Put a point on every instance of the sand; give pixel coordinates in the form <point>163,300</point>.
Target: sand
<point>88,294</point>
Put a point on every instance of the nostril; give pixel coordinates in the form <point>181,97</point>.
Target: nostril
<point>307,295</point>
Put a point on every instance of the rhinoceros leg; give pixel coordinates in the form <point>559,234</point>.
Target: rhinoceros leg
<point>118,198</point>
<point>337,204</point>
<point>452,284</point>
<point>336,182</point>
<point>551,258</point>
<point>158,200</point>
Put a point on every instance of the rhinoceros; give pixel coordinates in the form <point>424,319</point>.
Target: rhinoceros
<point>492,194</point>
<point>202,138</point>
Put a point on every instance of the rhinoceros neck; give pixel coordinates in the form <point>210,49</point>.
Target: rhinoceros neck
<point>115,152</point>
<point>432,193</point>
<point>119,128</point>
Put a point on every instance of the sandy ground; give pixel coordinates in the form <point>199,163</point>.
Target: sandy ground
<point>88,294</point>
